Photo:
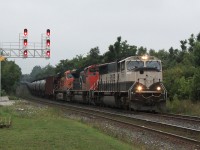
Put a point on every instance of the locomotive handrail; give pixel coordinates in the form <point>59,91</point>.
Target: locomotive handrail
<point>165,91</point>
<point>130,89</point>
<point>69,88</point>
<point>94,85</point>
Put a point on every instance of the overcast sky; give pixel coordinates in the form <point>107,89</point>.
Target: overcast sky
<point>79,25</point>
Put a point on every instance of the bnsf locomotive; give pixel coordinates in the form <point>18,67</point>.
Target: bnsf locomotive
<point>133,83</point>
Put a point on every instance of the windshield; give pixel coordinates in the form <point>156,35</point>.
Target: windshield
<point>94,70</point>
<point>134,64</point>
<point>69,75</point>
<point>153,64</point>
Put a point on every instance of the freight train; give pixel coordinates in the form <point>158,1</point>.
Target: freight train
<point>132,83</point>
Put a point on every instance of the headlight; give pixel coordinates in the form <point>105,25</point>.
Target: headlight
<point>145,57</point>
<point>158,88</point>
<point>139,88</point>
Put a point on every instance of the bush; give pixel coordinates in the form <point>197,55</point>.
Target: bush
<point>12,97</point>
<point>186,107</point>
<point>3,93</point>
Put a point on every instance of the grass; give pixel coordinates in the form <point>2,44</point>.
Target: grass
<point>36,127</point>
<point>186,107</point>
<point>12,97</point>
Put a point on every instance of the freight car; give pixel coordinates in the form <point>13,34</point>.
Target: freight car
<point>132,83</point>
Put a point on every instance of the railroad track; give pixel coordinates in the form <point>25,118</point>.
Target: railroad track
<point>188,135</point>
<point>181,117</point>
<point>193,119</point>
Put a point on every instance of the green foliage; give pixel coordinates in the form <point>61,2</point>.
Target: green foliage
<point>195,93</point>
<point>186,107</point>
<point>181,70</point>
<point>10,76</point>
<point>3,92</point>
<point>12,97</point>
<point>35,71</point>
<point>191,41</point>
<point>198,37</point>
<point>93,56</point>
<point>38,72</point>
<point>184,88</point>
<point>119,50</point>
<point>36,127</point>
<point>183,45</point>
<point>180,66</point>
<point>141,51</point>
<point>197,53</point>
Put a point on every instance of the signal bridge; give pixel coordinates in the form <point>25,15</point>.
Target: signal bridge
<point>26,49</point>
<point>33,50</point>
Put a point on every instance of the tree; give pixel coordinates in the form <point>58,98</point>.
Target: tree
<point>115,49</point>
<point>35,71</point>
<point>191,43</point>
<point>127,50</point>
<point>152,52</point>
<point>48,70</point>
<point>93,55</point>
<point>198,37</point>
<point>197,53</point>
<point>11,73</point>
<point>141,51</point>
<point>195,93</point>
<point>183,45</point>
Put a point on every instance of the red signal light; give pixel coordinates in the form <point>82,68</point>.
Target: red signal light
<point>25,53</point>
<point>48,42</point>
<point>25,42</point>
<point>48,53</point>
<point>48,32</point>
<point>25,32</point>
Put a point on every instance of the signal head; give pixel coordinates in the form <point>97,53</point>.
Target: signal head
<point>48,32</point>
<point>25,32</point>
<point>48,53</point>
<point>48,42</point>
<point>25,42</point>
<point>25,53</point>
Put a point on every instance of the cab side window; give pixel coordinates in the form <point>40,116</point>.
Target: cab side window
<point>122,65</point>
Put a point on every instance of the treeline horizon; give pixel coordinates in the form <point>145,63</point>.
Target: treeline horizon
<point>181,67</point>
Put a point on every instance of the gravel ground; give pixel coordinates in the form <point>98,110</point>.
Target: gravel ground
<point>148,139</point>
<point>152,117</point>
<point>4,101</point>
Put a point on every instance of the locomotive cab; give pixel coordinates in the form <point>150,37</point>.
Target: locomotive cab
<point>67,80</point>
<point>147,91</point>
<point>89,78</point>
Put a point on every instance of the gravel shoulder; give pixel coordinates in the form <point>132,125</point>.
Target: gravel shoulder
<point>4,101</point>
